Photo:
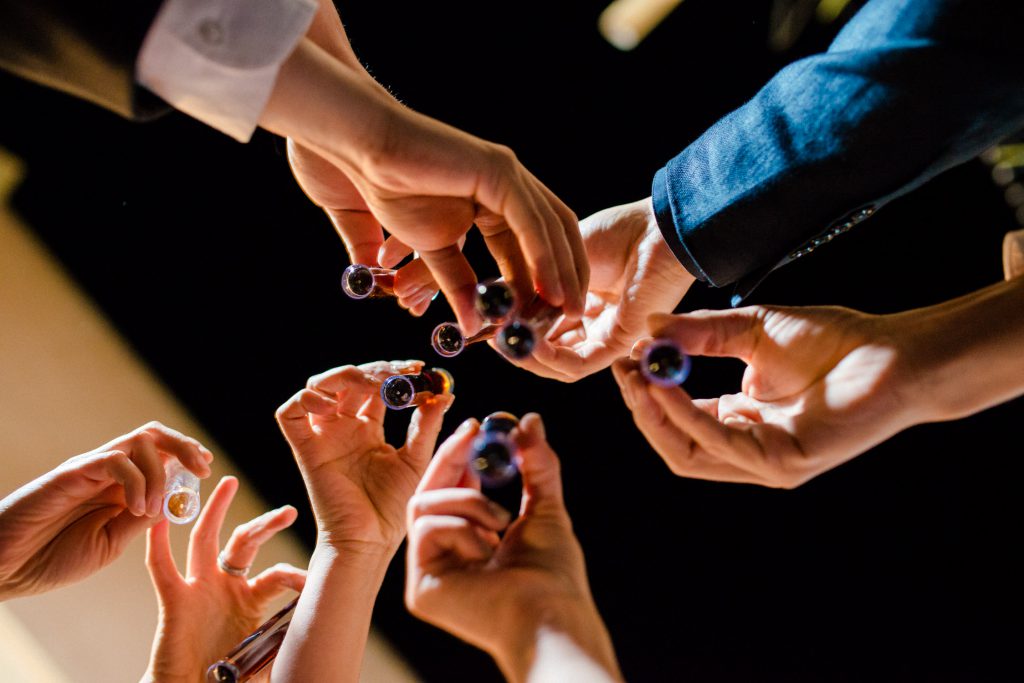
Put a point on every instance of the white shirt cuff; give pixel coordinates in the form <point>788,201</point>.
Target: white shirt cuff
<point>217,60</point>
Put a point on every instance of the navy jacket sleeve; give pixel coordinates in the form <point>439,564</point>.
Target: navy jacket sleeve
<point>908,89</point>
<point>83,47</point>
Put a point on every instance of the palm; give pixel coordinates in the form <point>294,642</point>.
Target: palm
<point>817,391</point>
<point>633,274</point>
<point>228,610</point>
<point>359,482</point>
<point>815,377</point>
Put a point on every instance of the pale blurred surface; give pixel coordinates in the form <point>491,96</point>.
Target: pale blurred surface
<point>69,383</point>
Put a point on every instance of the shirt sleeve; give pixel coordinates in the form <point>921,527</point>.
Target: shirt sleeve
<point>908,89</point>
<point>217,60</point>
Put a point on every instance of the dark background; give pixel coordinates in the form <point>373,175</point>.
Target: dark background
<point>897,566</point>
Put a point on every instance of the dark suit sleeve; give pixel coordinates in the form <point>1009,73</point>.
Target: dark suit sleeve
<point>908,89</point>
<point>84,47</point>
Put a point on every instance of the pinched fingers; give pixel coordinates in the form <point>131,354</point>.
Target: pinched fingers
<point>449,466</point>
<point>192,454</point>
<point>683,455</point>
<point>453,274</point>
<point>460,502</point>
<point>539,465</point>
<point>768,453</point>
<point>116,466</point>
<point>424,428</point>
<point>452,539</point>
<point>415,286</point>
<point>574,265</point>
<point>293,415</point>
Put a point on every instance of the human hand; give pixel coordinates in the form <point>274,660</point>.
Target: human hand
<point>822,385</point>
<point>428,183</point>
<point>358,484</point>
<point>207,612</point>
<point>328,187</point>
<point>533,581</point>
<point>633,274</point>
<point>78,518</point>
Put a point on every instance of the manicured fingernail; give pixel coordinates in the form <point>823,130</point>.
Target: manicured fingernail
<point>466,426</point>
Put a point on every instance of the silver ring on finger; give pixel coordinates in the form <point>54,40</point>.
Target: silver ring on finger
<point>229,568</point>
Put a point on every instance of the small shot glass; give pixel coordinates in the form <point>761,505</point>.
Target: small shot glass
<point>493,457</point>
<point>448,341</point>
<point>494,300</point>
<point>405,391</point>
<point>181,493</point>
<point>664,364</point>
<point>368,282</point>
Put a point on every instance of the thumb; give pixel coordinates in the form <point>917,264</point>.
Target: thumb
<point>733,333</point>
<point>541,471</point>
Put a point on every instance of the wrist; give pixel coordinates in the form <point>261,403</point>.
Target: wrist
<point>369,556</point>
<point>546,635</point>
<point>330,107</point>
<point>665,263</point>
<point>964,355</point>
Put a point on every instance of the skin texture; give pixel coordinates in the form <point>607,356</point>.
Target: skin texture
<point>206,612</point>
<point>540,622</point>
<point>78,518</point>
<point>633,275</point>
<point>824,384</point>
<point>358,486</point>
<point>370,162</point>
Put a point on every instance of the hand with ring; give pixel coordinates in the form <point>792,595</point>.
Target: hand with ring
<point>206,612</point>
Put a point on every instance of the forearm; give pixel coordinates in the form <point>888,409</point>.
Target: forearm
<point>328,106</point>
<point>964,355</point>
<point>328,633</point>
<point>840,132</point>
<point>557,645</point>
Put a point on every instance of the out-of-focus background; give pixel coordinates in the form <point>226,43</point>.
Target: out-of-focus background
<point>163,271</point>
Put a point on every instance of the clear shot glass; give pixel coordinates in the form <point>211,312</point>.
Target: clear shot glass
<point>448,341</point>
<point>494,300</point>
<point>405,391</point>
<point>663,363</point>
<point>368,282</point>
<point>181,493</point>
<point>493,455</point>
<point>517,338</point>
<point>254,653</point>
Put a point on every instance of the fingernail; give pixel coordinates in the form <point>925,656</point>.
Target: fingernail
<point>466,426</point>
<point>503,515</point>
<point>637,352</point>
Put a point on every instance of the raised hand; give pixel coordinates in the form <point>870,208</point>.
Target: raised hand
<point>210,609</point>
<point>359,486</point>
<point>428,183</point>
<point>822,385</point>
<point>79,517</point>
<point>358,483</point>
<point>633,274</point>
<point>523,597</point>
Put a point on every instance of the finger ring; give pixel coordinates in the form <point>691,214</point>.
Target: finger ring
<point>228,568</point>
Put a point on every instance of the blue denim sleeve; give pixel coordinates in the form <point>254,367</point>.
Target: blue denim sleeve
<point>908,89</point>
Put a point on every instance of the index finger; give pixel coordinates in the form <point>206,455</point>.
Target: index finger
<point>192,454</point>
<point>457,281</point>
